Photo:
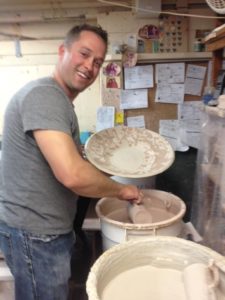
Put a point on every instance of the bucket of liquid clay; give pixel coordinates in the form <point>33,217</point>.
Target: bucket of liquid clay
<point>167,211</point>
<point>159,268</point>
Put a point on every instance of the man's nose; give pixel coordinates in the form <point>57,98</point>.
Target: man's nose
<point>89,64</point>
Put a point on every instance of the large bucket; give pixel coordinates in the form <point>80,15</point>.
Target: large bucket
<point>156,268</point>
<point>141,183</point>
<point>167,211</point>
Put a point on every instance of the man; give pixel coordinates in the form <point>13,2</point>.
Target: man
<point>43,170</point>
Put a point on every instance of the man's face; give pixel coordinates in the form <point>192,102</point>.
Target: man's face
<point>80,64</point>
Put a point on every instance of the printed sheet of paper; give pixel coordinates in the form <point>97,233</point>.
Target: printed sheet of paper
<point>131,99</point>
<point>191,132</point>
<point>170,73</point>
<point>190,110</point>
<point>170,93</point>
<point>105,117</point>
<point>170,130</point>
<point>189,115</point>
<point>195,71</point>
<point>138,77</point>
<point>194,79</point>
<point>193,86</point>
<point>138,121</point>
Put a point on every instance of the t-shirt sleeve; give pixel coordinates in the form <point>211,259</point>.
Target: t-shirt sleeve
<point>46,108</point>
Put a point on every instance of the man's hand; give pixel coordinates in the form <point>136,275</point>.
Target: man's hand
<point>131,193</point>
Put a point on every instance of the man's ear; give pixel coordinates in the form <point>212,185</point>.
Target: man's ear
<point>61,50</point>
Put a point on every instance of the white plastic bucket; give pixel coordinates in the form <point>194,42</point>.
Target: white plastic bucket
<point>167,211</point>
<point>141,183</point>
<point>170,254</point>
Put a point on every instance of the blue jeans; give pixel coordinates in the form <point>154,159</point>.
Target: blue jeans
<point>40,264</point>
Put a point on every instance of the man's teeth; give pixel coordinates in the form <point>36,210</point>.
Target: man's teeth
<point>83,75</point>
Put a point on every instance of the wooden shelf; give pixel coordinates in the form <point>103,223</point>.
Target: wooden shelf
<point>165,57</point>
<point>215,42</point>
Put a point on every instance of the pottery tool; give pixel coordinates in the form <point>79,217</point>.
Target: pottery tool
<point>139,214</point>
<point>200,281</point>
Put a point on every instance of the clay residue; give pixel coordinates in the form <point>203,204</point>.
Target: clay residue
<point>158,215</point>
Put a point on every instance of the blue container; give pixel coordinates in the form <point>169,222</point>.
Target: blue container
<point>84,135</point>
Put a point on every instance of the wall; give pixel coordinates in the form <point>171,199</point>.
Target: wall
<point>15,77</point>
<point>39,58</point>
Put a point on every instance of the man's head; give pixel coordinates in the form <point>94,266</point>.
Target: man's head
<point>75,31</point>
<point>80,58</point>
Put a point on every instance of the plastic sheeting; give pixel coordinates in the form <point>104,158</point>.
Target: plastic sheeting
<point>208,208</point>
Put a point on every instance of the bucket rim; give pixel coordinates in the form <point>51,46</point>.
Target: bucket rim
<point>147,226</point>
<point>92,279</point>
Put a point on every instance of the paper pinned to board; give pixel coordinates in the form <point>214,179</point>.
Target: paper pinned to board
<point>195,71</point>
<point>190,110</point>
<point>194,79</point>
<point>170,73</point>
<point>138,121</point>
<point>131,99</point>
<point>189,115</point>
<point>193,86</point>
<point>105,117</point>
<point>170,130</point>
<point>170,93</point>
<point>138,77</point>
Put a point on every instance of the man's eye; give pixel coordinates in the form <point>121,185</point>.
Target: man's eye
<point>98,64</point>
<point>84,54</point>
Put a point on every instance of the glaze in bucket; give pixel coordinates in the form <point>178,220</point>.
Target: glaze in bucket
<point>166,209</point>
<point>120,272</point>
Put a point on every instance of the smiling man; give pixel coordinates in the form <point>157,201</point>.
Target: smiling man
<point>43,171</point>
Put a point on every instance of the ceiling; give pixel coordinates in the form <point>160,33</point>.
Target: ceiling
<point>100,5</point>
<point>14,11</point>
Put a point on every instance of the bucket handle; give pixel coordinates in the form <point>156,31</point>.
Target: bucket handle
<point>215,274</point>
<point>128,233</point>
<point>167,203</point>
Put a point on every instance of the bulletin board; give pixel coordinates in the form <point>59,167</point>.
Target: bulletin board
<point>156,111</point>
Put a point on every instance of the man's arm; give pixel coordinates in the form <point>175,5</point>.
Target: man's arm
<point>77,174</point>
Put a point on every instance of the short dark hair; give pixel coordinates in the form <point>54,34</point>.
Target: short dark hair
<point>75,31</point>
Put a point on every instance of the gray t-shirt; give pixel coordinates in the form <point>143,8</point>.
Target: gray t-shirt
<point>31,197</point>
